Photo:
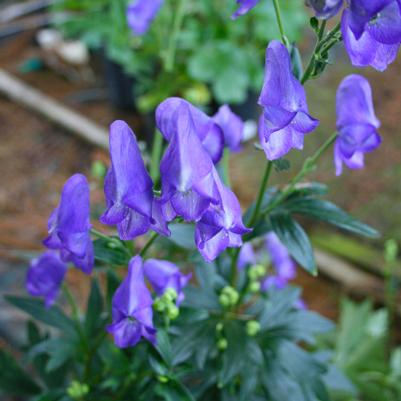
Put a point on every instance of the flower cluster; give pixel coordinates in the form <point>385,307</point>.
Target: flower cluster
<point>371,29</point>
<point>190,189</point>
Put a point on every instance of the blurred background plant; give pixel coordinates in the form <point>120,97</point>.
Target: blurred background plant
<point>216,60</point>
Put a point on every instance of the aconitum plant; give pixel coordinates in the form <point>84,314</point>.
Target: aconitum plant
<point>191,297</point>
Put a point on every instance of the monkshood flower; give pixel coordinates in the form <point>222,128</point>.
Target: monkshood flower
<point>163,275</point>
<point>132,309</point>
<point>221,226</point>
<point>232,127</point>
<point>284,266</point>
<point>244,7</point>
<point>128,188</point>
<point>45,276</point>
<point>356,123</point>
<point>372,32</point>
<point>141,13</point>
<point>246,256</point>
<point>285,118</point>
<point>69,225</point>
<point>326,9</point>
<point>207,130</point>
<point>188,184</point>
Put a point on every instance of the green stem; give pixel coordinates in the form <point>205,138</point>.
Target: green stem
<point>71,302</point>
<point>252,220</point>
<point>226,167</point>
<point>307,167</point>
<point>157,148</point>
<point>178,19</point>
<point>280,22</point>
<point>323,44</point>
<point>75,314</point>
<point>148,244</point>
<point>101,235</point>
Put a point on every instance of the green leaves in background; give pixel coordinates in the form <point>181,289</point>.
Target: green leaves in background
<point>13,379</point>
<point>52,316</point>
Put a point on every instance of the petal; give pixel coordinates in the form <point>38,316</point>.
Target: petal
<point>244,7</point>
<point>280,88</point>
<point>190,205</point>
<point>208,132</point>
<point>133,185</point>
<point>45,276</point>
<point>133,225</point>
<point>354,103</point>
<point>126,333</point>
<point>141,13</point>
<point>211,248</point>
<point>132,294</point>
<point>367,51</point>
<point>326,8</point>
<point>386,27</point>
<point>247,256</point>
<point>232,127</point>
<point>280,142</point>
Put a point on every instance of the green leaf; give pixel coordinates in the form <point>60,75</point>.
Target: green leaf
<point>292,235</point>
<point>107,252</point>
<point>296,61</point>
<point>183,235</point>
<point>163,346</point>
<point>52,316</point>
<point>93,319</point>
<point>326,211</point>
<point>281,165</point>
<point>13,379</point>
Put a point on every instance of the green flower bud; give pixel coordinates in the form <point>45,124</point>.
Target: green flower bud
<point>222,344</point>
<point>390,250</point>
<point>254,287</point>
<point>252,328</point>
<point>229,296</point>
<point>256,272</point>
<point>172,311</point>
<point>224,300</point>
<point>170,294</point>
<point>77,390</point>
<point>98,169</point>
<point>159,305</point>
<point>219,327</point>
<point>163,379</point>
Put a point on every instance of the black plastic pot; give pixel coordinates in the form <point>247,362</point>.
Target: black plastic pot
<point>120,85</point>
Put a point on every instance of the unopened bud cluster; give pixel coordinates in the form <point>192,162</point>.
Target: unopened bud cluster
<point>166,304</point>
<point>255,273</point>
<point>229,297</point>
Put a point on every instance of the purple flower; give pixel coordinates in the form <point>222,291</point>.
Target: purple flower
<point>221,225</point>
<point>284,266</point>
<point>285,118</point>
<point>163,275</point>
<point>69,225</point>
<point>326,9</point>
<point>132,309</point>
<point>209,133</point>
<point>141,13</point>
<point>45,276</point>
<point>372,32</point>
<point>187,170</point>
<point>247,256</point>
<point>356,123</point>
<point>129,189</point>
<point>244,7</point>
<point>232,127</point>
